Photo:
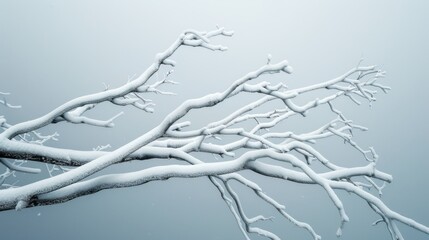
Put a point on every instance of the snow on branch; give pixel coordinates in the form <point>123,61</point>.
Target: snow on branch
<point>5,102</point>
<point>292,154</point>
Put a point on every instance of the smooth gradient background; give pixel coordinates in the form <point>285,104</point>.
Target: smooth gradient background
<point>53,51</point>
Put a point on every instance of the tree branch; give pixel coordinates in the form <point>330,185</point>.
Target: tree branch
<point>256,141</point>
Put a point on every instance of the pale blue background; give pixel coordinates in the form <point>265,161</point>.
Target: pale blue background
<point>52,51</point>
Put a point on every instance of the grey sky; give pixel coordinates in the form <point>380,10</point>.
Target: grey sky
<point>52,51</point>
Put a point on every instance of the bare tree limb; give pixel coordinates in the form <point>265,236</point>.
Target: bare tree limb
<point>264,148</point>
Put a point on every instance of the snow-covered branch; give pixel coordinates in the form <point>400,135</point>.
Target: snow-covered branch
<point>253,134</point>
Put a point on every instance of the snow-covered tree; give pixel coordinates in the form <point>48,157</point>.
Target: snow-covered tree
<point>264,148</point>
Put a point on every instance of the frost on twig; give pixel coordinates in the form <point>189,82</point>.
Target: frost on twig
<point>239,141</point>
<point>4,101</point>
